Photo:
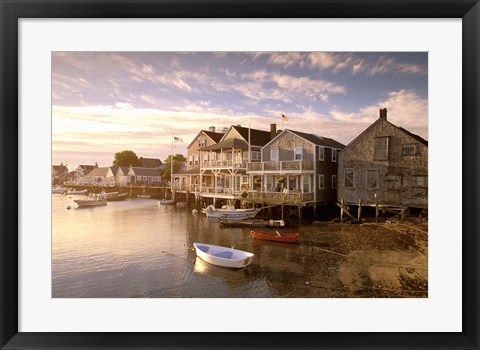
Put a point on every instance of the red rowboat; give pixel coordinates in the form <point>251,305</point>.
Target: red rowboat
<point>288,237</point>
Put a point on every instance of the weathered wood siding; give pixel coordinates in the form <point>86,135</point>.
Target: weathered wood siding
<point>395,175</point>
<point>286,144</point>
<point>194,149</point>
<point>327,168</point>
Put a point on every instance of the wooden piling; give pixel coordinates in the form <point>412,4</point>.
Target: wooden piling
<point>341,210</point>
<point>359,209</point>
<point>376,208</point>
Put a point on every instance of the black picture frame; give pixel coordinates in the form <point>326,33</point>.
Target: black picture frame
<point>12,11</point>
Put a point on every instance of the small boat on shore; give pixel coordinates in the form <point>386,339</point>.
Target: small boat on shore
<point>144,196</point>
<point>277,237</point>
<point>91,201</point>
<point>229,212</point>
<point>76,192</point>
<point>223,256</point>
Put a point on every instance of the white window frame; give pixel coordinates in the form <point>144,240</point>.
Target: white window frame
<point>321,182</point>
<point>345,177</point>
<point>196,160</point>
<point>256,155</point>
<point>190,160</point>
<point>334,182</point>
<point>321,153</point>
<point>295,153</point>
<point>366,179</point>
<point>214,156</point>
<point>334,155</point>
<point>275,152</point>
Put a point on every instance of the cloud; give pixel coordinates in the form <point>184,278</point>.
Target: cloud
<point>339,61</point>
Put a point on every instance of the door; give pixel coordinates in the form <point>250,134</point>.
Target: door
<point>393,189</point>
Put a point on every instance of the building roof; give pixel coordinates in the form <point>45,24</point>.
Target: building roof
<point>60,167</point>
<point>139,171</point>
<point>149,162</point>
<point>124,170</point>
<point>415,136</point>
<point>87,167</point>
<point>230,143</point>
<point>319,140</point>
<point>215,136</point>
<point>103,171</point>
<point>257,137</point>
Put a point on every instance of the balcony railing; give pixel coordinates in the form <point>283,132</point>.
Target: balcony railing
<point>224,164</point>
<point>280,197</point>
<point>286,165</point>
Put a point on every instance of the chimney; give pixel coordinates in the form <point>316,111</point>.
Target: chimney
<point>211,129</point>
<point>273,131</point>
<point>383,113</point>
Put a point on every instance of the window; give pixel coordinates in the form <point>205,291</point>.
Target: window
<point>420,181</point>
<point>201,143</point>
<point>196,159</point>
<point>274,155</point>
<point>205,158</point>
<point>381,148</point>
<point>190,160</point>
<point>306,183</point>
<point>321,182</point>
<point>298,154</point>
<point>334,155</point>
<point>321,153</point>
<point>214,156</point>
<point>409,150</point>
<point>145,178</point>
<point>334,181</point>
<point>372,179</point>
<point>256,155</point>
<point>349,178</point>
<point>139,178</point>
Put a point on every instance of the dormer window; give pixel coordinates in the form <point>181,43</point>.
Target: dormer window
<point>201,143</point>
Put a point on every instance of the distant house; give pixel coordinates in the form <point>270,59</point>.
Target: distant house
<point>145,176</point>
<point>121,176</point>
<point>297,168</point>
<point>59,174</point>
<point>150,162</point>
<point>385,163</point>
<point>103,176</point>
<point>82,170</point>
<point>188,177</point>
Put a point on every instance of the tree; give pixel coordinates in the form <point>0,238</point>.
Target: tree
<point>126,158</point>
<point>178,160</point>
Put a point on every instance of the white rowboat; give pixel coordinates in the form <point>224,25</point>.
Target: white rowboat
<point>93,201</point>
<point>223,256</point>
<point>76,192</point>
<point>230,213</point>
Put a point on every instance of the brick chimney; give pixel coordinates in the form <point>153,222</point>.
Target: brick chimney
<point>383,113</point>
<point>273,131</point>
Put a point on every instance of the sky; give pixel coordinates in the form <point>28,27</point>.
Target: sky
<point>107,102</point>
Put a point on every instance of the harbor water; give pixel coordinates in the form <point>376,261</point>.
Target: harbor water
<point>138,248</point>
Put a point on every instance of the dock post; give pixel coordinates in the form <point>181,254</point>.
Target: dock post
<point>282,209</point>
<point>359,209</point>
<point>341,210</point>
<point>403,214</point>
<point>376,208</point>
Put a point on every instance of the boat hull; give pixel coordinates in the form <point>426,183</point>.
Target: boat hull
<point>287,238</point>
<point>90,203</point>
<point>74,193</point>
<point>223,256</point>
<point>232,214</point>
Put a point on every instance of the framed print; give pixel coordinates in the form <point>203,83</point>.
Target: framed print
<point>242,175</point>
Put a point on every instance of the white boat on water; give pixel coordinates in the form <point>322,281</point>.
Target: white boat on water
<point>91,201</point>
<point>59,190</point>
<point>76,192</point>
<point>166,202</point>
<point>223,256</point>
<point>229,212</point>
